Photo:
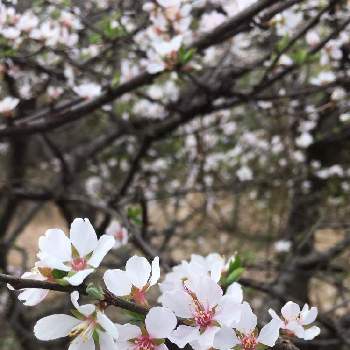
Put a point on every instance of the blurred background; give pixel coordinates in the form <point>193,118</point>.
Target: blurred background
<point>201,126</point>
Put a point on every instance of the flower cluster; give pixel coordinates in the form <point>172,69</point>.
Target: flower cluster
<point>197,306</point>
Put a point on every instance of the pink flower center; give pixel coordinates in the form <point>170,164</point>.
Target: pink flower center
<point>139,296</point>
<point>78,264</point>
<point>249,342</point>
<point>119,235</point>
<point>144,342</point>
<point>202,316</point>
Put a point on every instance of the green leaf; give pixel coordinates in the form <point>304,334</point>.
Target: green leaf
<point>95,38</point>
<point>116,79</point>
<point>58,274</point>
<point>185,55</point>
<point>235,263</point>
<point>134,215</point>
<point>299,56</point>
<point>234,276</point>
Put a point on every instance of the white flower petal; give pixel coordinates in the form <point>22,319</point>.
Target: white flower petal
<point>235,291</point>
<point>311,333</point>
<point>52,262</point>
<point>86,310</point>
<point>117,282</point>
<point>179,302</point>
<point>228,312</point>
<point>107,325</point>
<point>155,272</point>
<point>105,244</point>
<point>127,331</point>
<point>82,343</point>
<point>106,342</point>
<point>206,338</point>
<point>55,326</point>
<point>83,236</point>
<point>79,277</point>
<point>307,315</point>
<point>183,335</point>
<point>33,296</point>
<point>274,315</point>
<point>138,270</point>
<point>270,333</point>
<point>290,311</point>
<point>207,291</point>
<point>56,244</point>
<point>225,339</point>
<point>248,320</point>
<point>160,322</point>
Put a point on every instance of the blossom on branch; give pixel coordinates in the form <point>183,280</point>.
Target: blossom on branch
<point>134,282</point>
<point>297,322</point>
<point>245,336</point>
<point>73,259</point>
<point>90,328</point>
<point>159,324</point>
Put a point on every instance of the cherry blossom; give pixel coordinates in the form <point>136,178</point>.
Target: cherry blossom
<point>138,277</point>
<point>212,265</point>
<point>90,328</point>
<point>77,256</point>
<point>205,308</point>
<point>246,337</point>
<point>32,296</point>
<point>87,90</point>
<point>7,105</point>
<point>120,233</point>
<point>159,324</point>
<point>296,321</point>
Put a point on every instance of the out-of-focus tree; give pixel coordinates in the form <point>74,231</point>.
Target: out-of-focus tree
<point>204,125</point>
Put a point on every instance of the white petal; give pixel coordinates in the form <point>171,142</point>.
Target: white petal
<point>80,343</point>
<point>296,328</point>
<point>161,347</point>
<point>228,312</point>
<point>55,326</point>
<point>311,333</point>
<point>79,277</point>
<point>105,244</point>
<point>33,296</point>
<point>225,339</point>
<point>107,325</point>
<point>160,322</point>
<point>117,282</point>
<point>290,311</point>
<point>56,244</point>
<point>206,339</point>
<point>83,236</point>
<point>248,320</point>
<point>155,271</point>
<point>307,315</point>
<point>274,315</point>
<point>183,335</point>
<point>52,262</point>
<point>179,302</point>
<point>207,291</point>
<point>235,291</point>
<point>270,333</point>
<point>86,310</point>
<point>127,331</point>
<point>106,342</point>
<point>138,270</point>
